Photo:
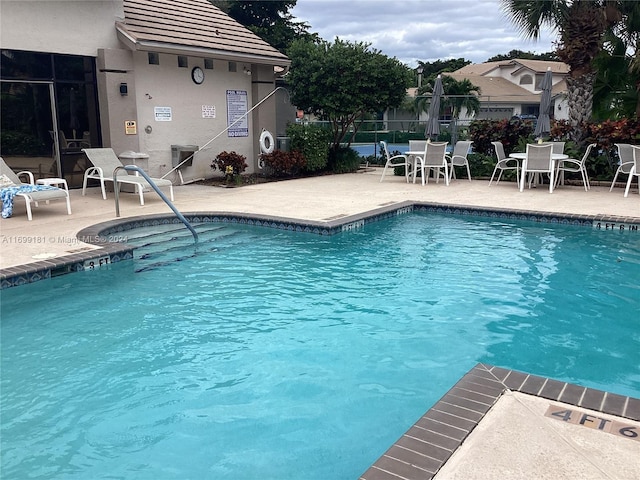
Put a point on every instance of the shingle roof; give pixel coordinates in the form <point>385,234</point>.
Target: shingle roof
<point>478,68</point>
<point>497,89</point>
<point>537,66</point>
<point>192,27</point>
<point>501,90</point>
<point>541,66</point>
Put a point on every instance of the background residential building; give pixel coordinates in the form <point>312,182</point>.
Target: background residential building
<point>512,87</point>
<point>507,88</point>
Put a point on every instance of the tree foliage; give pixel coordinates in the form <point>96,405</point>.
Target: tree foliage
<point>615,93</point>
<point>432,69</point>
<point>515,54</point>
<point>458,94</point>
<point>270,20</point>
<point>582,27</point>
<point>617,84</point>
<point>341,82</point>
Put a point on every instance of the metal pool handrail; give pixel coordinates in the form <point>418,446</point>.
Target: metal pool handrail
<point>135,168</point>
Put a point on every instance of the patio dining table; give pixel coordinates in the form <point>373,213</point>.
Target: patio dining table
<point>412,154</point>
<point>556,157</point>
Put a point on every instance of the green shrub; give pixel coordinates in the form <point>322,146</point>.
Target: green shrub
<point>230,163</point>
<point>284,164</point>
<point>313,142</point>
<point>483,132</point>
<point>374,160</point>
<point>344,160</point>
<point>481,165</point>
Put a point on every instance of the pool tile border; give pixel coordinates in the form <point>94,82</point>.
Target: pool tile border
<point>106,235</point>
<point>432,440</point>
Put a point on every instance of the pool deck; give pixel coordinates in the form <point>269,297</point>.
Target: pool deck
<point>510,430</point>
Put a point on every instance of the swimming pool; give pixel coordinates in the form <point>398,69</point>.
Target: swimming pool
<point>275,354</point>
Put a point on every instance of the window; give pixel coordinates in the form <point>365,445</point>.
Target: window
<point>233,67</point>
<point>539,81</point>
<point>183,62</point>
<point>526,80</point>
<point>42,92</point>
<point>26,65</point>
<point>154,58</point>
<point>208,64</point>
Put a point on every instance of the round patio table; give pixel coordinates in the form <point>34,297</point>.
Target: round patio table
<point>554,156</point>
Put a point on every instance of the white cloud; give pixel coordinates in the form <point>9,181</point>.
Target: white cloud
<point>425,30</point>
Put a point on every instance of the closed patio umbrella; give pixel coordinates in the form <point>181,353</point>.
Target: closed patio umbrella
<point>544,123</point>
<point>433,122</point>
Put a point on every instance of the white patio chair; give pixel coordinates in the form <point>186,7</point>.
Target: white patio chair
<point>393,162</point>
<point>625,161</point>
<point>417,145</point>
<point>458,158</point>
<point>558,147</point>
<point>634,171</point>
<point>539,159</point>
<point>105,161</point>
<point>572,165</point>
<point>32,193</point>
<point>434,158</point>
<point>504,163</point>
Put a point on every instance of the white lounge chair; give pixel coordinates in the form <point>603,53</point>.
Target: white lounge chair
<point>39,194</point>
<point>105,161</point>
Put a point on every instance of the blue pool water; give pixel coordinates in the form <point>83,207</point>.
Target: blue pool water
<point>271,354</point>
<point>368,149</point>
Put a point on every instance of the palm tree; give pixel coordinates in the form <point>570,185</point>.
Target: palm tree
<point>581,27</point>
<point>628,32</point>
<point>615,94</point>
<point>457,95</point>
<point>460,94</point>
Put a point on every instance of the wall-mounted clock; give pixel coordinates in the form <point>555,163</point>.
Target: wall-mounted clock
<point>197,75</point>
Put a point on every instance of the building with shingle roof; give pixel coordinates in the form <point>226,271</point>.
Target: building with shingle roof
<point>512,87</point>
<point>507,88</point>
<point>162,77</point>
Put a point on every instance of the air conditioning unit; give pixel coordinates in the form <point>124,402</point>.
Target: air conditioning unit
<point>283,143</point>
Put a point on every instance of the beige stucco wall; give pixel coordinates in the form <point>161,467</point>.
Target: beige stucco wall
<point>167,85</point>
<point>59,26</point>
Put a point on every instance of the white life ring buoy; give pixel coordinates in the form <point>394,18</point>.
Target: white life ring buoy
<point>266,142</point>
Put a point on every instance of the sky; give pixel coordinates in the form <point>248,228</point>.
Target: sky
<point>425,30</point>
